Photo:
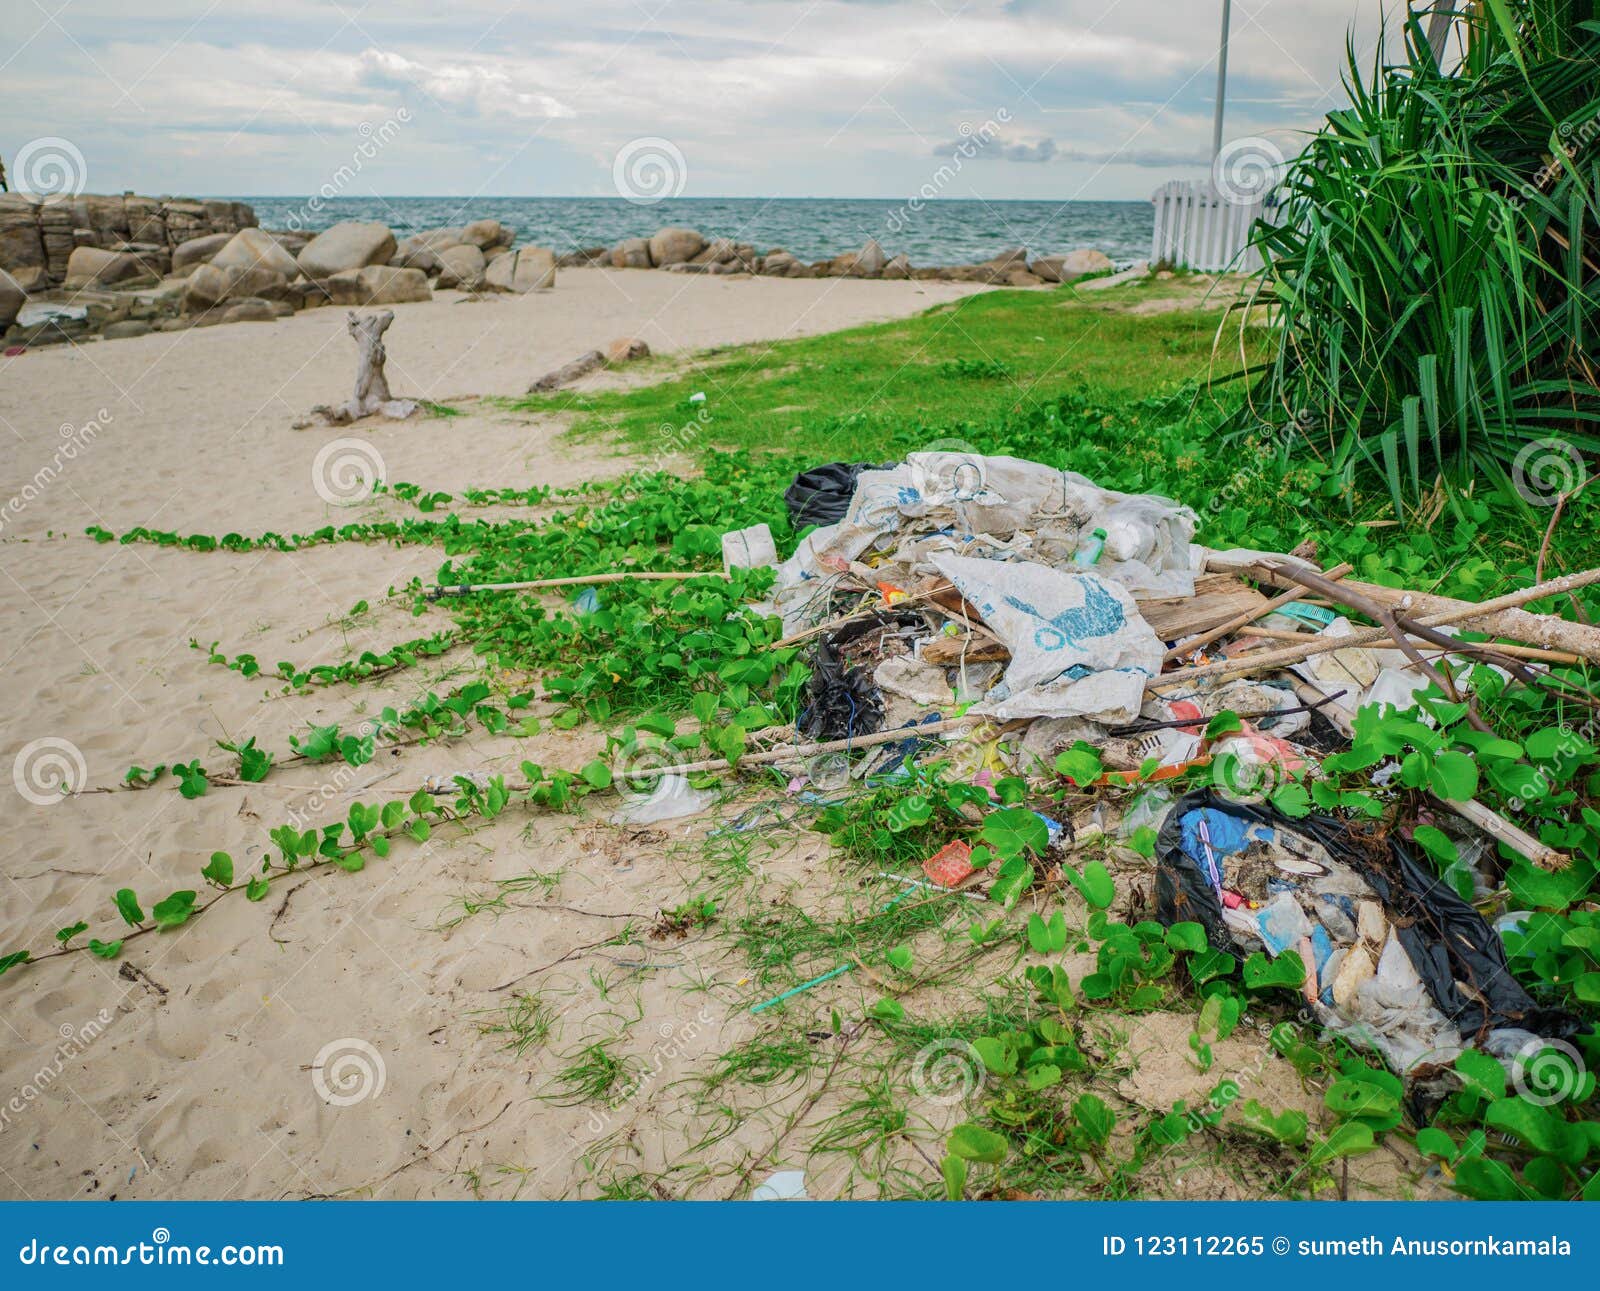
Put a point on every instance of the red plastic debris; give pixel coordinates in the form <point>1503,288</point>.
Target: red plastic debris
<point>951,865</point>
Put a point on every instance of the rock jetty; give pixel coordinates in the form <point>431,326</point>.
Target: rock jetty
<point>73,267</point>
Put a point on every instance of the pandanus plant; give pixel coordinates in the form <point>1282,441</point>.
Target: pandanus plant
<point>1434,261</point>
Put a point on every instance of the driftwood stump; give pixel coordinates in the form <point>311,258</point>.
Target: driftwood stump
<point>372,385</point>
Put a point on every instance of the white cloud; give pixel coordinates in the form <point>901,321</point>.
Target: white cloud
<point>762,98</point>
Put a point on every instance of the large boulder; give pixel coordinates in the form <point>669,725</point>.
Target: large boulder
<point>1073,265</point>
<point>249,248</point>
<point>350,244</point>
<point>869,261</point>
<point>208,286</point>
<point>675,246</point>
<point>434,239</point>
<point>12,298</point>
<point>526,269</point>
<point>22,250</point>
<point>377,284</point>
<point>92,267</point>
<point>460,266</point>
<point>899,268</point>
<point>485,234</point>
<point>122,331</point>
<point>779,263</point>
<point>198,251</point>
<point>631,253</point>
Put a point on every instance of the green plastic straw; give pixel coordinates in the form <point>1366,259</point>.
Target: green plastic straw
<point>804,986</point>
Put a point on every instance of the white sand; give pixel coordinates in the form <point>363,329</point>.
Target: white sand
<point>198,1083</point>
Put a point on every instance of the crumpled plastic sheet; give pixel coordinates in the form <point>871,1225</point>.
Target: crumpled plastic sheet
<point>967,504</point>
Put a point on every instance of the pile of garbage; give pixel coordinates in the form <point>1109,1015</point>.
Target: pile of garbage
<point>1061,612</point>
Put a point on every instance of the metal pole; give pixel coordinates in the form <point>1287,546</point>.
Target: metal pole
<point>1222,80</point>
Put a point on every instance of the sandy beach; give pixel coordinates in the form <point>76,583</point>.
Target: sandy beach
<point>208,1062</point>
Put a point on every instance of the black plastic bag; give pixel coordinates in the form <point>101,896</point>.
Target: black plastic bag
<point>1446,940</point>
<point>822,494</point>
<point>842,701</point>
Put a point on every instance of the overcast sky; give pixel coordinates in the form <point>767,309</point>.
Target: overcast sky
<point>840,98</point>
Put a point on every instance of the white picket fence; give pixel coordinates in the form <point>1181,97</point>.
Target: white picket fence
<point>1198,229</point>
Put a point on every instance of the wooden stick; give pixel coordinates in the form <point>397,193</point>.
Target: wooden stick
<point>1249,616</point>
<point>1322,644</point>
<point>464,589</point>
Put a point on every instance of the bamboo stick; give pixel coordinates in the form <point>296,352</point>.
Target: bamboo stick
<point>577,580</point>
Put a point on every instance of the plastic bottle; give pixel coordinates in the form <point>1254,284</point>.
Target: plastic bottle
<point>1089,550</point>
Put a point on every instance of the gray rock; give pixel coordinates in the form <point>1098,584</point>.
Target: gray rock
<point>1073,265</point>
<point>207,286</point>
<point>625,349</point>
<point>461,266</point>
<point>198,251</point>
<point>869,261</point>
<point>484,234</point>
<point>12,298</point>
<point>122,331</point>
<point>350,244</point>
<point>523,270</point>
<point>674,246</point>
<point>377,284</point>
<point>631,253</point>
<point>249,248</point>
<point>92,267</point>
<point>899,268</point>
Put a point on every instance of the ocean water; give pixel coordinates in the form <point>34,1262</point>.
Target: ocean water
<point>940,232</point>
